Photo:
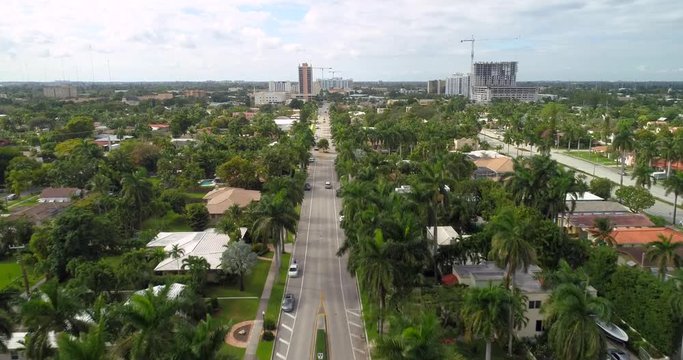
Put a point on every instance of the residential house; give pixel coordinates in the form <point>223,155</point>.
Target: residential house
<point>159,127</point>
<point>50,195</point>
<point>632,243</point>
<point>493,168</point>
<point>15,345</point>
<point>445,235</point>
<point>284,123</point>
<point>581,224</point>
<point>207,244</point>
<point>38,213</point>
<point>218,201</point>
<point>597,207</point>
<point>483,274</point>
<point>465,143</point>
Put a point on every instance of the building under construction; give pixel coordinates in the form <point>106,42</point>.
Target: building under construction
<point>498,80</point>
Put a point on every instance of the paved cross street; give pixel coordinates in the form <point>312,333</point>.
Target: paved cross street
<point>322,275</point>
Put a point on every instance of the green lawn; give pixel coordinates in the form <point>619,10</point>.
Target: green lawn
<point>592,157</point>
<point>10,272</point>
<point>265,348</point>
<point>321,344</point>
<point>236,311</point>
<point>24,201</point>
<point>195,196</point>
<point>253,283</point>
<point>169,222</point>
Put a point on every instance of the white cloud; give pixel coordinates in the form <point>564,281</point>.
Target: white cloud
<point>379,39</point>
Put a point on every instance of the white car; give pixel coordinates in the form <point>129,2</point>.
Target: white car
<point>293,270</point>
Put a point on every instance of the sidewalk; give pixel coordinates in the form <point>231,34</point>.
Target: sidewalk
<point>255,334</point>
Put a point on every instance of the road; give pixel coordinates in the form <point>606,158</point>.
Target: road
<point>660,208</point>
<point>323,276</point>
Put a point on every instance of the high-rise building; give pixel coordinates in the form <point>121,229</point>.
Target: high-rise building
<point>458,84</point>
<point>60,92</point>
<point>305,81</point>
<point>280,86</point>
<point>494,73</point>
<point>498,80</point>
<point>336,83</point>
<point>436,87</point>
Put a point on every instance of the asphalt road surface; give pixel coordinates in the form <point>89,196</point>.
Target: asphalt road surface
<point>323,277</point>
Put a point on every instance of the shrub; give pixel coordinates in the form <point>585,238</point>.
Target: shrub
<point>259,249</point>
<point>268,336</point>
<point>269,324</point>
<point>601,187</point>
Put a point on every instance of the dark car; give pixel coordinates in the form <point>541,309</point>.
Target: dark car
<point>288,303</point>
<point>307,187</point>
<point>616,354</point>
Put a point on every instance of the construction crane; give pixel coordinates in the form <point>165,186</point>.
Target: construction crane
<point>472,40</point>
<point>322,74</point>
<point>334,72</point>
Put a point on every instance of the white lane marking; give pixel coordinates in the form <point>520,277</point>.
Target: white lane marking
<point>341,280</point>
<point>308,232</point>
<point>359,350</point>
<point>287,327</point>
<point>284,341</point>
<point>290,315</point>
<point>280,355</point>
<point>356,336</point>
<point>354,324</point>
<point>353,313</point>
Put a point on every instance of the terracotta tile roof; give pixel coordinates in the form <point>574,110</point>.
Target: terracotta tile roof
<point>643,236</point>
<point>637,255</point>
<point>617,220</point>
<point>220,200</point>
<point>500,165</point>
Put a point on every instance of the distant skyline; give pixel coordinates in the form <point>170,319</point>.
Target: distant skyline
<point>413,40</point>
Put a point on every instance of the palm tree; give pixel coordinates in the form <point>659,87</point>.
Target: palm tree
<point>137,191</point>
<point>53,309</point>
<point>416,339</point>
<point>485,314</point>
<point>665,253</point>
<point>275,215</point>
<point>6,326</point>
<point>375,271</point>
<point>176,252</point>
<point>642,175</point>
<point>149,321</point>
<point>198,267</point>
<point>571,314</point>
<point>602,231</point>
<point>433,191</point>
<point>510,250</point>
<point>202,341</point>
<point>623,141</point>
<point>89,346</point>
<point>674,184</point>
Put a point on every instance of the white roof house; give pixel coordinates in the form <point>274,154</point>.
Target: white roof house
<point>208,244</point>
<point>17,339</point>
<point>175,289</point>
<point>446,235</point>
<point>587,196</point>
<point>284,123</point>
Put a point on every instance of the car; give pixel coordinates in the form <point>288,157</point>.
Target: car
<point>12,197</point>
<point>328,185</point>
<point>311,159</point>
<point>341,218</point>
<point>293,270</point>
<point>288,303</point>
<point>616,354</point>
<point>315,148</point>
<point>307,187</point>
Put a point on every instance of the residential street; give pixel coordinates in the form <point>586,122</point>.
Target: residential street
<point>323,275</point>
<point>660,208</point>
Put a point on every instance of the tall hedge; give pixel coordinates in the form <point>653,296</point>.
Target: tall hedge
<point>643,301</point>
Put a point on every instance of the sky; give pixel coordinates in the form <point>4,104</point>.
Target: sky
<point>367,40</point>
